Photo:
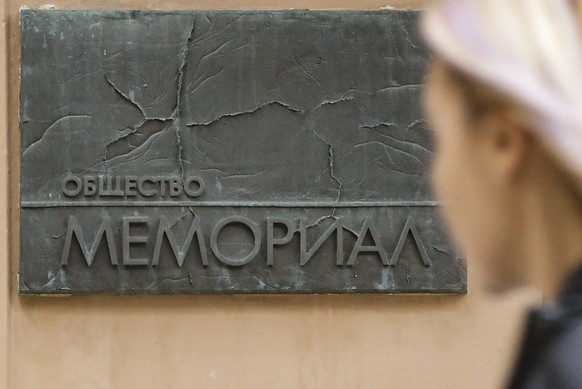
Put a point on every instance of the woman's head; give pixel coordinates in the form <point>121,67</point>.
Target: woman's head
<point>505,99</point>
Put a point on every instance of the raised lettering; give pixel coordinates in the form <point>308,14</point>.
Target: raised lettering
<point>272,241</point>
<point>305,255</point>
<point>129,239</point>
<point>230,260</point>
<point>89,186</point>
<point>199,186</point>
<point>410,227</point>
<point>162,182</point>
<point>179,252</point>
<point>376,248</point>
<point>106,187</point>
<point>176,187</point>
<point>130,186</point>
<point>89,254</point>
<point>142,189</point>
<point>77,186</point>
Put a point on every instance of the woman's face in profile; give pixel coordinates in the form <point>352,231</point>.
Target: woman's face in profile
<point>473,202</point>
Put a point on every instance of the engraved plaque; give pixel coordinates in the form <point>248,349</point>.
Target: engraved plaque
<point>227,152</point>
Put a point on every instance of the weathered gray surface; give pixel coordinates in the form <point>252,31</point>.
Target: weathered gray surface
<point>307,117</point>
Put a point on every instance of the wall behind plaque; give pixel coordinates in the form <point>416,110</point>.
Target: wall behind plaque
<point>237,341</point>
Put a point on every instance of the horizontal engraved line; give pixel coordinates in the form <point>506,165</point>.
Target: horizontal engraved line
<point>234,204</point>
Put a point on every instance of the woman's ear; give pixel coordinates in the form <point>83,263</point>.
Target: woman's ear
<point>507,144</point>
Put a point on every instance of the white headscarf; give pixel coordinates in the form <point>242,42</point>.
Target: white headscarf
<point>531,50</point>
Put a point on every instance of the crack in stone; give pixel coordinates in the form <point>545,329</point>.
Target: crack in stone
<point>244,175</point>
<point>333,217</point>
<point>132,130</point>
<point>177,110</point>
<point>321,220</point>
<point>231,276</point>
<point>407,34</point>
<point>406,142</point>
<point>392,166</point>
<point>180,150</point>
<point>140,149</point>
<point>46,255</point>
<point>305,71</point>
<point>331,159</point>
<point>378,125</point>
<point>392,125</point>
<point>402,143</point>
<point>39,140</point>
<point>394,169</point>
<point>179,219</point>
<point>210,33</point>
<point>260,280</point>
<point>200,80</point>
<point>127,97</point>
<point>397,87</point>
<point>174,117</point>
<point>396,49</point>
<point>332,102</point>
<point>352,232</point>
<point>185,54</point>
<point>441,250</point>
<point>348,95</point>
<point>234,114</point>
<point>170,279</point>
<point>414,123</point>
<point>52,279</point>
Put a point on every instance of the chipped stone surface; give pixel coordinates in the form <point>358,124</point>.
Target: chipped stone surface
<point>302,131</point>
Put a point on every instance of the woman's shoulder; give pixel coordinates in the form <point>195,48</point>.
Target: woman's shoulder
<point>564,359</point>
<point>561,366</point>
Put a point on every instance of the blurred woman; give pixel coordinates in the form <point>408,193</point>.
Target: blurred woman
<point>505,99</point>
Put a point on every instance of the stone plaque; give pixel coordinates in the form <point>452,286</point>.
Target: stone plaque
<point>227,152</point>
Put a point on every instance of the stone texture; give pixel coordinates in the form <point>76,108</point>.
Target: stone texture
<point>308,117</point>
